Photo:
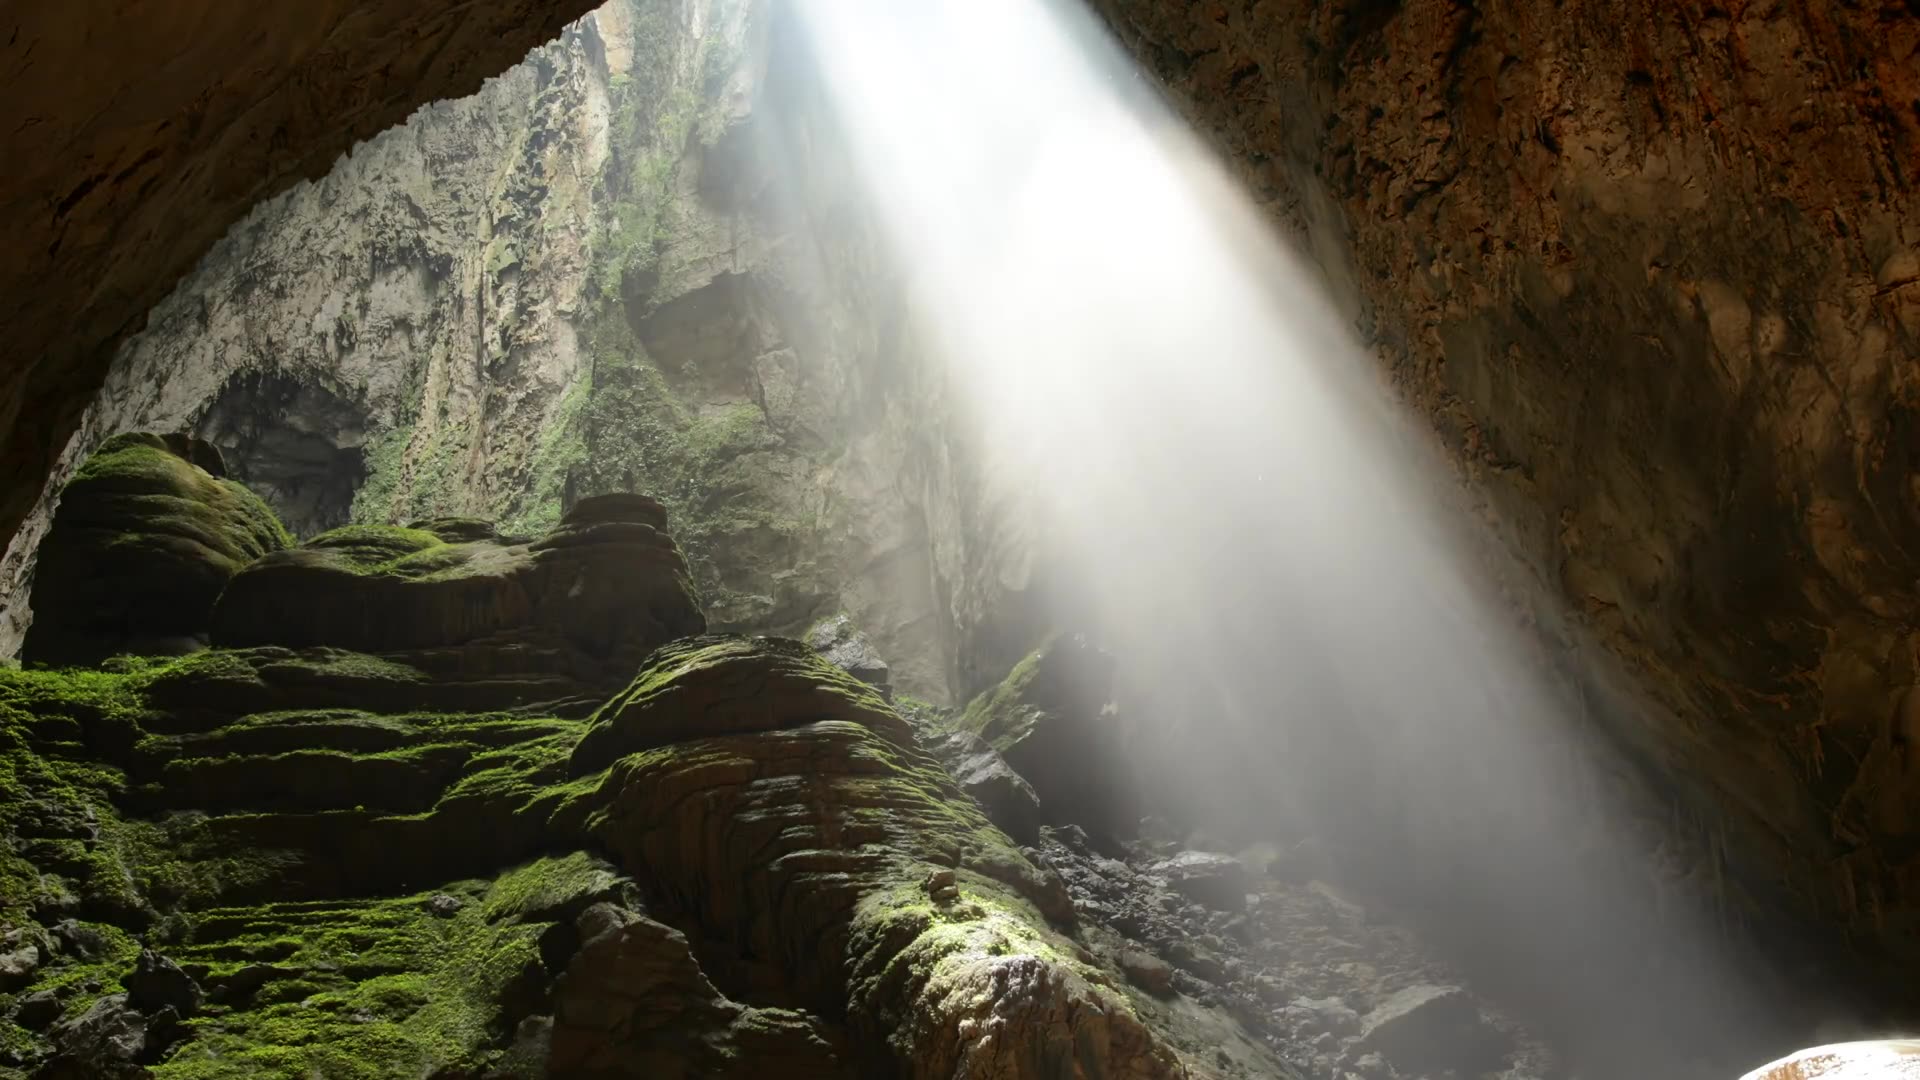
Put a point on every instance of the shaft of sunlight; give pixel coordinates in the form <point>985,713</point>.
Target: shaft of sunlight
<point>1265,541</point>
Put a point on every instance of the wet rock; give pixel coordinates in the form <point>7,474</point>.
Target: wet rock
<point>157,983</point>
<point>78,939</point>
<point>846,648</point>
<point>1218,881</point>
<point>143,543</point>
<point>748,775</point>
<point>1427,1028</point>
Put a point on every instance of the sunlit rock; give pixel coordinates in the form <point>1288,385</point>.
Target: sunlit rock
<point>1879,1059</point>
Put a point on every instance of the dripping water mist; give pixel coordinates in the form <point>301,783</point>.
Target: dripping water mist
<point>1311,640</point>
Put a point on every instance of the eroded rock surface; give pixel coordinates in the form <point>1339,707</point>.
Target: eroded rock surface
<point>142,133</point>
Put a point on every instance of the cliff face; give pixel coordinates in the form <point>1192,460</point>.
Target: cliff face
<point>583,279</point>
<point>140,133</point>
<point>1649,269</point>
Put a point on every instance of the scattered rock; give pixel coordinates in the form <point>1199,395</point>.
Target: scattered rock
<point>108,1036</point>
<point>157,983</point>
<point>1425,1029</point>
<point>1218,881</point>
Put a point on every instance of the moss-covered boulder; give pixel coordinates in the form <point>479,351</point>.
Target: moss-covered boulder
<point>1051,720</point>
<point>146,536</point>
<point>585,603</point>
<point>778,807</point>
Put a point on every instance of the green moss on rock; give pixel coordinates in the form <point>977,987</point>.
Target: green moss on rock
<point>143,542</point>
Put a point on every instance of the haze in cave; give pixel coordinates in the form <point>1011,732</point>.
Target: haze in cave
<point>1027,539</point>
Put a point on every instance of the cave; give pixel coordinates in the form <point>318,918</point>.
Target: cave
<point>1368,539</point>
<point>298,443</point>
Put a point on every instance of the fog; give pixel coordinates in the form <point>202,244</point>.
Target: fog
<point>1314,642</point>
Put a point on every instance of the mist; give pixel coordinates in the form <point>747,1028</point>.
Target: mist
<point>1310,626</point>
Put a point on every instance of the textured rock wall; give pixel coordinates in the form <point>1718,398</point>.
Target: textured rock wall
<point>1649,268</point>
<point>140,132</point>
<point>586,279</point>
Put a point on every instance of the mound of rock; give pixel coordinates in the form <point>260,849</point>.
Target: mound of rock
<point>147,535</point>
<point>593,597</point>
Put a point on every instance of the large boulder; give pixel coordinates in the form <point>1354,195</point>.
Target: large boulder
<point>147,535</point>
<point>1051,718</point>
<point>594,596</point>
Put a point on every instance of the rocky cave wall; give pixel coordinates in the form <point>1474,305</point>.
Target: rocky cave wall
<point>140,132</point>
<point>581,280</point>
<point>1647,267</point>
<point>1650,270</point>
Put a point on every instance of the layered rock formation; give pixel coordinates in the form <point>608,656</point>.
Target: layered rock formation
<point>140,134</point>
<point>358,836</point>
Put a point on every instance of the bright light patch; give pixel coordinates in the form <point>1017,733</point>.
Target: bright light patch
<point>1265,543</point>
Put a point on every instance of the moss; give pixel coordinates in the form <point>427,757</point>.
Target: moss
<point>384,987</point>
<point>996,705</point>
<point>547,884</point>
<point>374,549</point>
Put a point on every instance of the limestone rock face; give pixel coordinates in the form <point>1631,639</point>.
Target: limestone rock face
<point>142,133</point>
<point>145,540</point>
<point>1648,268</point>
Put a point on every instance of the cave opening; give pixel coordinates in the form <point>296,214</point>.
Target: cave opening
<point>298,442</point>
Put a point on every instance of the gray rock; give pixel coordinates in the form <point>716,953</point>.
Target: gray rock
<point>1146,971</point>
<point>845,647</point>
<point>158,983</point>
<point>110,1033</point>
<point>17,966</point>
<point>38,1009</point>
<point>1206,877</point>
<point>1426,1029</point>
<point>1009,801</point>
<point>444,906</point>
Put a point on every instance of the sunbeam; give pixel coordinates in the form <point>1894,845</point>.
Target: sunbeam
<point>1257,531</point>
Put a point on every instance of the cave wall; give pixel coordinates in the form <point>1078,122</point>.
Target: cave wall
<point>142,131</point>
<point>585,279</point>
<point>1649,269</point>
